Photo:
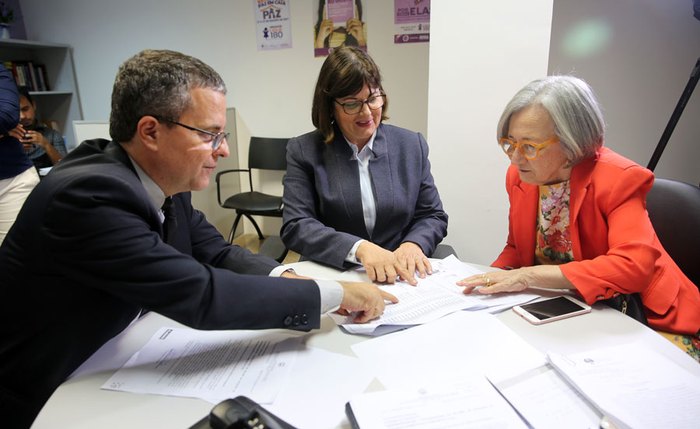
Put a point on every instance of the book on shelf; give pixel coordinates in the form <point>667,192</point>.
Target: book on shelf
<point>27,74</point>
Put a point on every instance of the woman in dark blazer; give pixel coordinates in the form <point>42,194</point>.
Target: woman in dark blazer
<point>357,190</point>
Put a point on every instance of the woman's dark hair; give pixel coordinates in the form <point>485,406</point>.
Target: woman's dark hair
<point>344,73</point>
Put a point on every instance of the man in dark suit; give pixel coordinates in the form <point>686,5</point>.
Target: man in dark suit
<point>91,248</point>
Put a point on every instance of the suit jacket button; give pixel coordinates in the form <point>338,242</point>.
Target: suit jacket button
<point>304,319</point>
<point>287,321</point>
<point>297,320</point>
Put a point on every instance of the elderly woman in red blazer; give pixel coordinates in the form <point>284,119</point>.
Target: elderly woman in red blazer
<point>578,215</point>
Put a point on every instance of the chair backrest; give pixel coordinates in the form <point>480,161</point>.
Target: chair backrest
<point>674,210</point>
<point>267,153</point>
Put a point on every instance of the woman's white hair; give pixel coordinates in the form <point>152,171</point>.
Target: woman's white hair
<point>570,102</point>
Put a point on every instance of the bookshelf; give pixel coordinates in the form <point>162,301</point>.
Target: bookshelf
<point>61,103</point>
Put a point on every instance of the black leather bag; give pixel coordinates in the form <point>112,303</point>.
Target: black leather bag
<point>629,304</point>
<point>240,412</point>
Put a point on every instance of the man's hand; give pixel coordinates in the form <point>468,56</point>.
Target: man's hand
<point>290,274</point>
<point>18,132</point>
<point>365,299</point>
<point>31,138</point>
<point>382,265</point>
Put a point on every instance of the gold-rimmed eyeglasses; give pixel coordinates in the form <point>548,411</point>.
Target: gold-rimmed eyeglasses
<point>529,150</point>
<point>354,107</point>
<point>215,139</point>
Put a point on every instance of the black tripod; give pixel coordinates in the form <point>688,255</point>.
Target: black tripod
<point>694,76</point>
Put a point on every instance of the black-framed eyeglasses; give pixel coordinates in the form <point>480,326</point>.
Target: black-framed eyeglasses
<point>355,106</point>
<point>207,136</point>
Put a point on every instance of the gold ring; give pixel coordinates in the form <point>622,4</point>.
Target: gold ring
<point>488,281</point>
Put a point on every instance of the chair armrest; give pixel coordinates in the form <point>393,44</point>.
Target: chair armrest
<point>221,173</point>
<point>237,170</point>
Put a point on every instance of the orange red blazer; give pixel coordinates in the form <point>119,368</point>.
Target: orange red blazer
<point>614,244</point>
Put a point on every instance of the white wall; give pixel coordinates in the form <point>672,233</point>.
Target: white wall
<point>270,90</point>
<point>481,53</point>
<point>637,55</point>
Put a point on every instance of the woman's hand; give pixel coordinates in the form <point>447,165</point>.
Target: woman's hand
<point>411,256</point>
<point>382,265</point>
<point>542,276</point>
<point>354,27</point>
<point>324,30</point>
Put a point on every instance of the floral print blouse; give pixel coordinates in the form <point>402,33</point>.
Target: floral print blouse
<point>553,244</point>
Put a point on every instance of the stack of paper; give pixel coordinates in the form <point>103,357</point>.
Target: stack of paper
<point>433,297</point>
<point>271,367</point>
<point>634,386</point>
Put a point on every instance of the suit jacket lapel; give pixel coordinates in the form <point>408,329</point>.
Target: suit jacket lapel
<point>382,185</point>
<point>349,179</point>
<point>579,183</point>
<point>525,201</point>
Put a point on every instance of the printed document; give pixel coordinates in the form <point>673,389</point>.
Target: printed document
<point>433,297</point>
<point>470,402</point>
<point>213,365</point>
<point>634,386</point>
<point>456,345</point>
<point>546,401</point>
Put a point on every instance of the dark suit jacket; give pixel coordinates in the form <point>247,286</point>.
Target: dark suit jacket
<point>322,201</point>
<point>86,255</point>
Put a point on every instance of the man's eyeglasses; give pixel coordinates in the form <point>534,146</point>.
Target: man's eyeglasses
<point>353,107</point>
<point>528,149</point>
<point>207,136</point>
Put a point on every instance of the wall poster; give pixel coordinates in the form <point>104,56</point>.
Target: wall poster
<point>338,23</point>
<point>411,21</point>
<point>273,27</point>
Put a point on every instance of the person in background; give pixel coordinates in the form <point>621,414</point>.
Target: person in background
<point>358,190</point>
<point>17,177</point>
<point>578,217</point>
<point>92,249</point>
<point>43,145</point>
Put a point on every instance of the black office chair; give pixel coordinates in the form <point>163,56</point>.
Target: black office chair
<point>674,210</point>
<point>264,154</point>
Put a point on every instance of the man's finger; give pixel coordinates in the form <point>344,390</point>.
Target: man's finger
<point>388,297</point>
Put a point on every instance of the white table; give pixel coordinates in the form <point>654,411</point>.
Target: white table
<point>79,402</point>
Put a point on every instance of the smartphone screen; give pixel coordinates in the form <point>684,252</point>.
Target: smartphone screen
<point>551,309</point>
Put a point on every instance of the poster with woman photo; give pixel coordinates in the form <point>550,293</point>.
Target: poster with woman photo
<point>338,23</point>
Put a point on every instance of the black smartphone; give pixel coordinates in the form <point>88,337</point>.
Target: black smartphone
<point>552,309</point>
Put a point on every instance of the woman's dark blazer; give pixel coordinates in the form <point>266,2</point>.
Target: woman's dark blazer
<point>323,215</point>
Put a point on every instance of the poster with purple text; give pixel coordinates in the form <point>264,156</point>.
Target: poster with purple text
<point>411,21</point>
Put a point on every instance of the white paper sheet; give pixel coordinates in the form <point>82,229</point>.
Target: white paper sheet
<point>433,297</point>
<point>634,386</point>
<point>468,403</point>
<point>547,401</point>
<point>319,385</point>
<point>458,344</point>
<point>212,365</point>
